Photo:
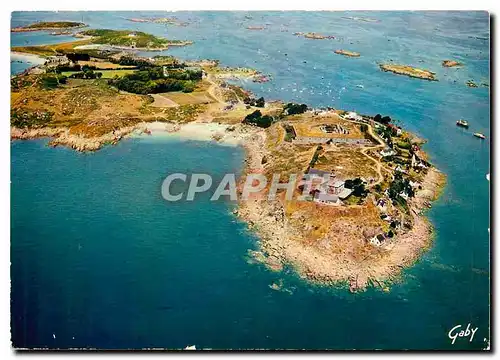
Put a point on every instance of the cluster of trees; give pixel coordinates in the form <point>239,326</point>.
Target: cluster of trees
<point>260,102</point>
<point>86,74</point>
<point>293,108</point>
<point>400,185</point>
<point>71,67</point>
<point>382,119</point>
<point>185,74</point>
<point>315,156</point>
<point>152,86</point>
<point>289,133</point>
<point>130,61</point>
<point>74,57</point>
<point>256,118</point>
<point>358,187</point>
<point>53,81</point>
<point>152,80</point>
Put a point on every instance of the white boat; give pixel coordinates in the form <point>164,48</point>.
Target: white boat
<point>479,135</point>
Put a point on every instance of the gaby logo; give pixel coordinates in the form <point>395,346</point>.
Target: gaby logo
<point>457,332</point>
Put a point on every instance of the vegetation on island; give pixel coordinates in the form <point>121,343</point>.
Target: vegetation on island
<point>451,63</point>
<point>256,118</point>
<point>409,71</point>
<point>128,38</point>
<point>347,53</point>
<point>260,102</point>
<point>293,109</point>
<point>155,79</point>
<point>49,25</point>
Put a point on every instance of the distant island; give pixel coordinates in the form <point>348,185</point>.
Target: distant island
<point>451,63</point>
<point>378,179</point>
<point>105,39</point>
<point>49,25</point>
<point>347,53</point>
<point>163,20</point>
<point>409,71</point>
<point>131,39</point>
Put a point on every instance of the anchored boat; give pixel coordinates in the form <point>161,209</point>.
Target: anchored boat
<point>479,135</point>
<point>463,123</point>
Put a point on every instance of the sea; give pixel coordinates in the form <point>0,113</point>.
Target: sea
<point>100,260</point>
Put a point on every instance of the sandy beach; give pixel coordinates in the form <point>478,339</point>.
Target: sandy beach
<point>223,134</point>
<point>27,58</point>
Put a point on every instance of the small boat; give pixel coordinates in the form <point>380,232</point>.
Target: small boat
<point>463,123</point>
<point>479,135</point>
<point>360,86</point>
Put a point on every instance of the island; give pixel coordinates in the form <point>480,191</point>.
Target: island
<point>361,218</point>
<point>314,36</point>
<point>347,53</point>
<point>451,63</point>
<point>49,25</point>
<point>164,20</point>
<point>409,71</point>
<point>110,41</point>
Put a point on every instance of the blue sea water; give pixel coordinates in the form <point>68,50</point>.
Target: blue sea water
<point>100,260</point>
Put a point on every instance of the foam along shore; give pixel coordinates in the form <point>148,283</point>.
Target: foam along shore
<point>26,58</point>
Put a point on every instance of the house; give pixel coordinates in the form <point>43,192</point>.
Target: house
<point>400,169</point>
<point>382,205</point>
<point>353,116</point>
<point>377,240</point>
<point>414,184</point>
<point>165,71</point>
<point>327,199</point>
<point>335,186</point>
<point>387,152</point>
<point>318,174</point>
<point>345,193</point>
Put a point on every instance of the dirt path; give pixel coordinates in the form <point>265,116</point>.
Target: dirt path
<point>162,101</point>
<point>378,163</point>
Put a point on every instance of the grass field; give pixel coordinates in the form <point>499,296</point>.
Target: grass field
<point>195,97</point>
<point>106,74</point>
<point>50,50</point>
<point>312,127</point>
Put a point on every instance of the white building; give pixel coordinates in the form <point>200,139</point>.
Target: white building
<point>377,240</point>
<point>387,152</point>
<point>353,116</point>
<point>327,199</point>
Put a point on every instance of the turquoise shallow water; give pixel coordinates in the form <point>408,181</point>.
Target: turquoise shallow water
<point>98,255</point>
